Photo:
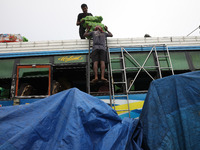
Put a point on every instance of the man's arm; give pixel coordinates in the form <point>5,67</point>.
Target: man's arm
<point>109,33</point>
<point>79,22</point>
<point>86,33</point>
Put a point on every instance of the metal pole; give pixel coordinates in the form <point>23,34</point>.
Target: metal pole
<point>194,30</point>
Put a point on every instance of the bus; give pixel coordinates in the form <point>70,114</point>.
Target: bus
<point>31,71</point>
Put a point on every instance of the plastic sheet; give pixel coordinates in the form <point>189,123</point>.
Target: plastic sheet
<point>171,113</point>
<point>68,120</point>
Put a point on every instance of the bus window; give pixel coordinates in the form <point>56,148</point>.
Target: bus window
<point>69,76</point>
<point>5,85</point>
<point>33,80</point>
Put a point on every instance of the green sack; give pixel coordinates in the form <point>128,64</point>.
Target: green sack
<point>93,21</point>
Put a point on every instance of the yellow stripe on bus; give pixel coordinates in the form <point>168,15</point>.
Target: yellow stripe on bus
<point>135,105</point>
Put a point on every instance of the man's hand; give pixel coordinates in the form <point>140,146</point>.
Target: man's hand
<point>106,28</point>
<point>110,34</point>
<point>82,21</point>
<point>88,27</point>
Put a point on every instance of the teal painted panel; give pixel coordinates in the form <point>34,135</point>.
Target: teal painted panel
<point>6,68</point>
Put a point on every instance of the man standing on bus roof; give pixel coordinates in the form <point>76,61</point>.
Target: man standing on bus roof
<point>79,22</point>
<point>99,50</point>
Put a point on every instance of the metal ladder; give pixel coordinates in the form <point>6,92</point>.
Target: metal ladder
<point>89,73</point>
<point>88,67</point>
<point>166,57</point>
<point>123,83</point>
<point>158,59</point>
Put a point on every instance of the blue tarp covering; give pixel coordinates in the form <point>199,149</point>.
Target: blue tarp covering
<point>6,103</point>
<point>171,113</point>
<point>70,120</point>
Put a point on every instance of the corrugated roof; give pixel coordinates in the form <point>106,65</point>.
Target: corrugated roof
<point>15,49</point>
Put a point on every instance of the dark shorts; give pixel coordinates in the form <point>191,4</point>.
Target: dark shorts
<point>99,55</point>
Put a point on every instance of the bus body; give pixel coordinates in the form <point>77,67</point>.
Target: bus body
<point>30,71</point>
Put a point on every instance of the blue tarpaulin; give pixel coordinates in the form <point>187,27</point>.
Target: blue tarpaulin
<point>70,120</point>
<point>171,113</point>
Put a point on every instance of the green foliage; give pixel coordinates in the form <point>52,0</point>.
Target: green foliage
<point>97,19</point>
<point>25,39</point>
<point>93,21</point>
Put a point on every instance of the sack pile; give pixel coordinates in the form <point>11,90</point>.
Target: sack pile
<point>93,21</point>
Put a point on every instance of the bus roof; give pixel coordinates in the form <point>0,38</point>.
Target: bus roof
<point>41,48</point>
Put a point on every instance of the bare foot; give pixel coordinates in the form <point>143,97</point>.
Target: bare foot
<point>94,81</point>
<point>104,79</point>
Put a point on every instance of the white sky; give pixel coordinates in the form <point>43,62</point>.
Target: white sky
<point>56,19</point>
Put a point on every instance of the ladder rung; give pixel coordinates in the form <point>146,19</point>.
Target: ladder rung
<point>116,58</point>
<point>165,67</point>
<point>117,69</point>
<point>156,67</point>
<point>120,96</point>
<point>143,67</point>
<point>137,92</point>
<point>123,110</point>
<point>133,68</point>
<point>150,66</point>
<point>119,82</point>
